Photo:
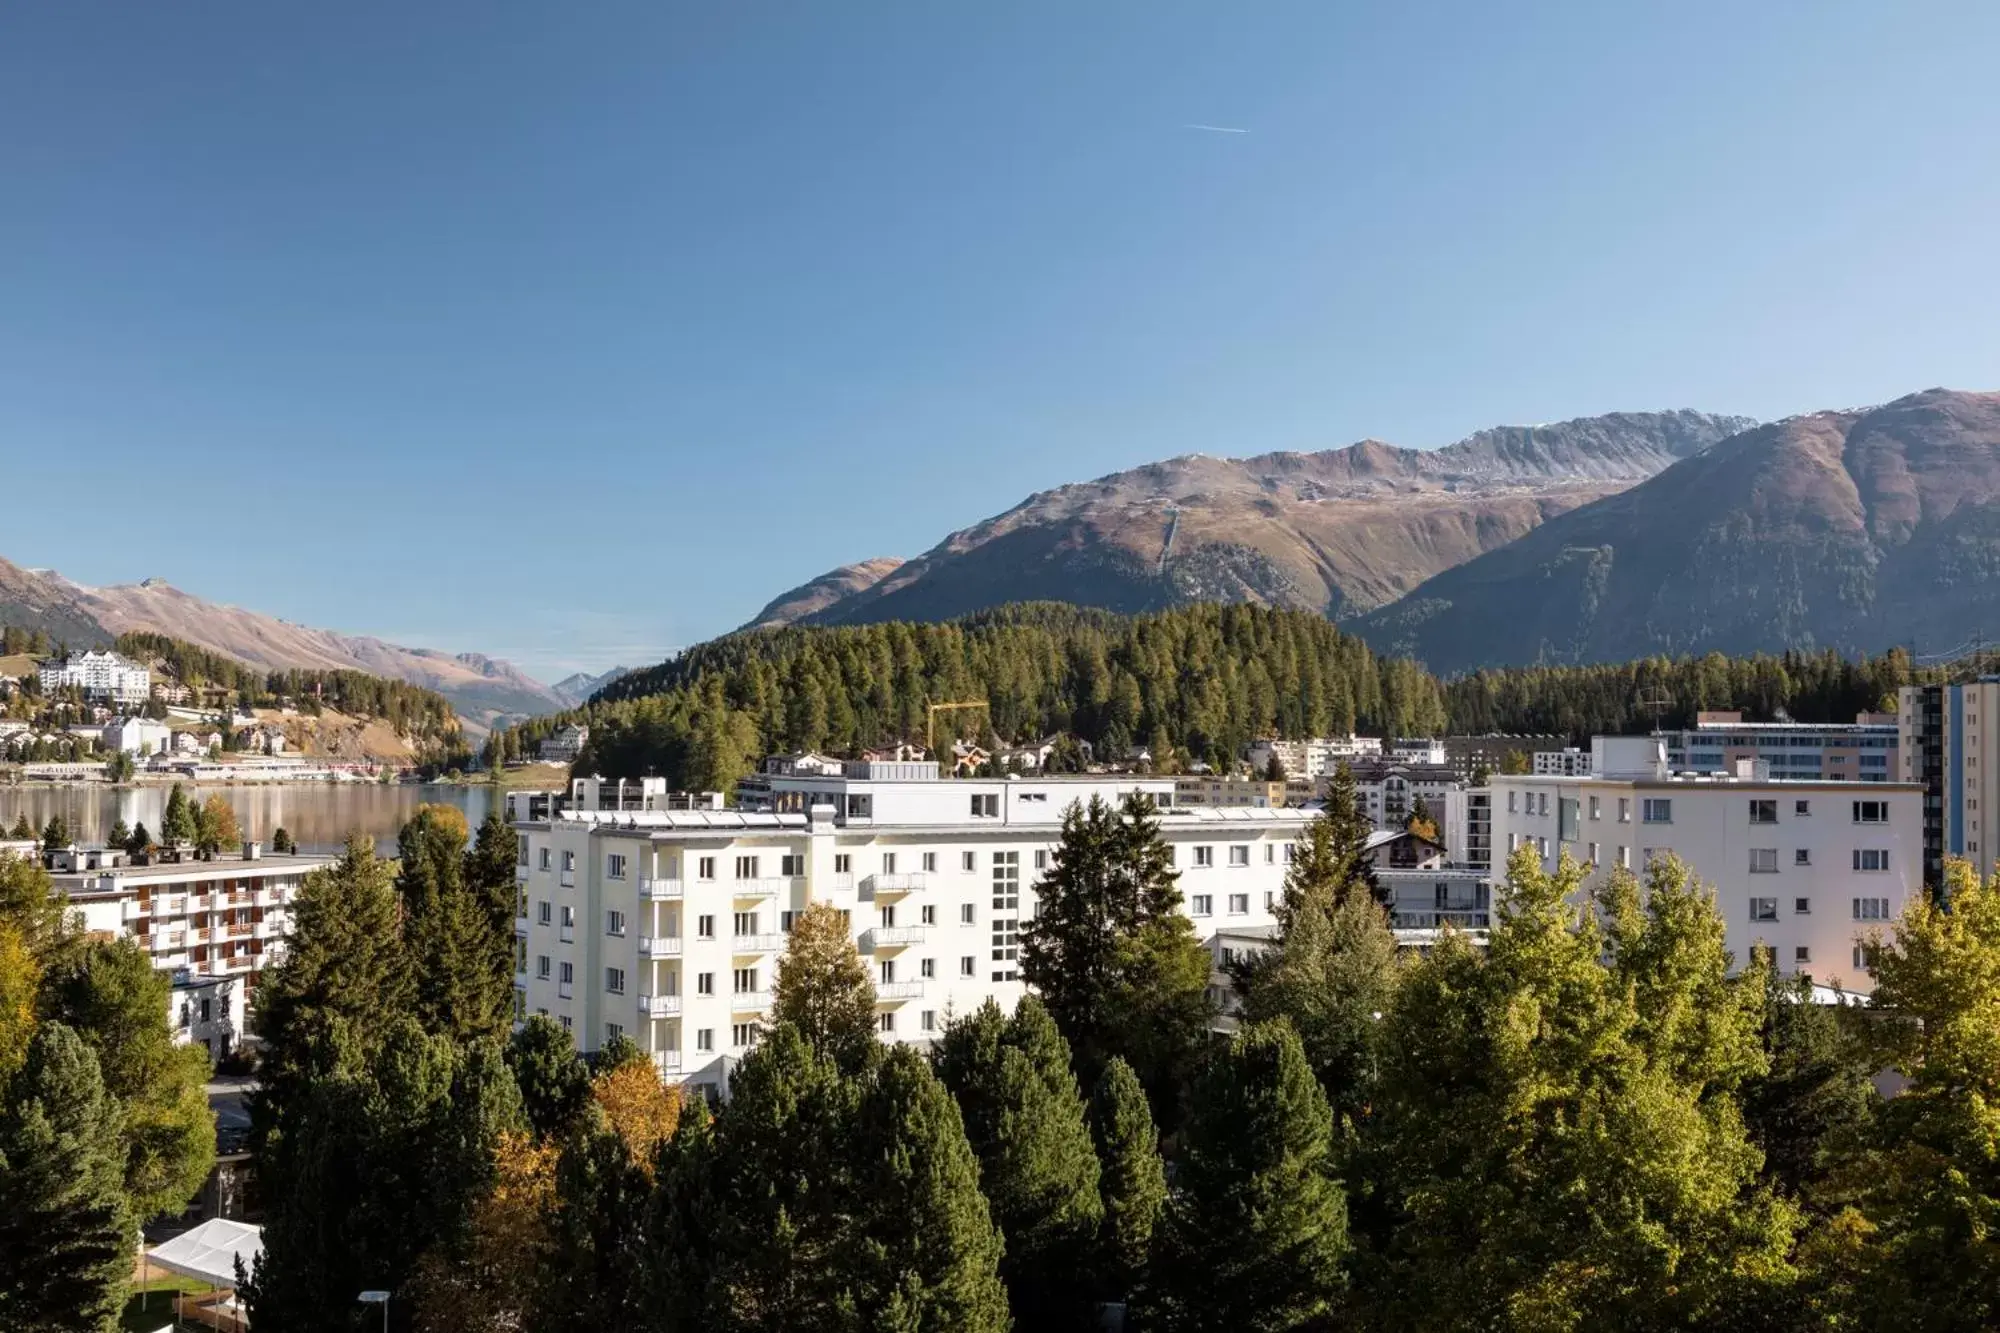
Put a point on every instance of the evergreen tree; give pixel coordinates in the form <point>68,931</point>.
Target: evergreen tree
<point>1255,1232</point>
<point>597,1235</point>
<point>65,1233</point>
<point>140,842</point>
<point>22,830</point>
<point>1038,1168</point>
<point>1554,1131</point>
<point>552,1078</point>
<point>681,1269</point>
<point>30,902</point>
<point>489,878</point>
<point>463,971</point>
<point>1132,1182</point>
<point>1333,969</point>
<point>113,998</point>
<point>1274,768</point>
<point>177,825</point>
<point>342,979</point>
<point>119,835</point>
<point>1341,848</point>
<point>281,842</point>
<point>929,1252</point>
<point>1929,1194</point>
<point>55,834</point>
<point>822,988</point>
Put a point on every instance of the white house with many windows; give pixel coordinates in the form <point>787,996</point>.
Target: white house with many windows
<point>666,925</point>
<point>1810,868</point>
<point>105,675</point>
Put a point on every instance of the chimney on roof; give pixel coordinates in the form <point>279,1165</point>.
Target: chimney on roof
<point>253,851</point>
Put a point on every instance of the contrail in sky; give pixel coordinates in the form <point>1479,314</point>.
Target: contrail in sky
<point>1216,129</point>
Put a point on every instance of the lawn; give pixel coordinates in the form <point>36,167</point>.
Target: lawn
<point>143,1315</point>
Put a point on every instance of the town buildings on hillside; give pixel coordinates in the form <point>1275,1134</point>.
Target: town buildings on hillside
<point>100,675</point>
<point>1808,866</point>
<point>565,746</point>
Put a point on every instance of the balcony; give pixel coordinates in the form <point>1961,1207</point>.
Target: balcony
<point>753,1003</point>
<point>133,910</point>
<point>891,937</point>
<point>745,890</point>
<point>521,874</point>
<point>565,990</point>
<point>659,1006</point>
<point>667,1062</point>
<point>892,886</point>
<point>742,944</point>
<point>659,890</point>
<point>566,934</point>
<point>567,879</point>
<point>899,990</point>
<point>659,946</point>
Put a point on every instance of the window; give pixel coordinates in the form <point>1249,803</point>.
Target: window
<point>1802,808</point>
<point>930,863</point>
<point>1042,859</point>
<point>704,1039</point>
<point>1270,899</point>
<point>1543,802</point>
<point>1596,807</point>
<point>887,916</point>
<point>704,927</point>
<point>1763,812</point>
<point>887,970</point>
<point>1290,849</point>
<point>743,981</point>
<point>1204,856</point>
<point>542,913</point>
<point>704,983</point>
<point>704,867</point>
<point>1871,812</point>
<point>614,980</point>
<point>1802,857</point>
<point>1624,809</point>
<point>887,1022</point>
<point>566,972</point>
<point>569,862</point>
<point>888,863</point>
<point>1801,954</point>
<point>966,965</point>
<point>1006,923</point>
<point>984,806</point>
<point>843,864</point>
<point>1510,802</point>
<point>565,1022</point>
<point>927,914</point>
<point>929,1023</point>
<point>968,861</point>
<point>545,858</point>
<point>614,866</point>
<point>520,849</point>
<point>1801,907</point>
<point>785,920</point>
<point>1656,810</point>
<point>1202,904</point>
<point>1590,853</point>
<point>1239,904</point>
<point>1871,909</point>
<point>1763,909</point>
<point>1239,854</point>
<point>791,866</point>
<point>569,917</point>
<point>1270,853</point>
<point>542,966</point>
<point>614,922</point>
<point>927,968</point>
<point>746,867</point>
<point>743,1034</point>
<point>1763,860</point>
<point>1861,958</point>
<point>968,914</point>
<point>1871,858</point>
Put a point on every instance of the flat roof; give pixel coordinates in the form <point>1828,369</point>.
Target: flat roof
<point>226,867</point>
<point>1859,788</point>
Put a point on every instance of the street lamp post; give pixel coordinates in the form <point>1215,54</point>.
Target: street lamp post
<point>380,1298</point>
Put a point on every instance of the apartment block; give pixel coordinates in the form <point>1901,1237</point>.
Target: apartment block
<point>1949,743</point>
<point>1314,758</point>
<point>214,925</point>
<point>1864,750</point>
<point>1388,789</point>
<point>1809,867</point>
<point>667,925</point>
<point>1254,793</point>
<point>100,675</point>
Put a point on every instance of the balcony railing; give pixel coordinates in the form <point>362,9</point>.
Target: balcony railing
<point>893,886</point>
<point>667,1062</point>
<point>657,890</point>
<point>753,1002</point>
<point>567,879</point>
<point>756,943</point>
<point>891,937</point>
<point>566,934</point>
<point>659,1006</point>
<point>659,946</point>
<point>565,990</point>
<point>1469,919</point>
<point>899,990</point>
<point>759,888</point>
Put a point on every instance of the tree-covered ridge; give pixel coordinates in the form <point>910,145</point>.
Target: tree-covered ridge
<point>1201,681</point>
<point>412,710</point>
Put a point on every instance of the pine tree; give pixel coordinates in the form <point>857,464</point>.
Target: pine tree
<point>119,835</point>
<point>553,1079</point>
<point>462,988</point>
<point>822,988</point>
<point>680,1274</point>
<point>1341,848</point>
<point>177,825</point>
<point>1255,1232</point>
<point>930,1253</point>
<point>30,902</point>
<point>281,842</point>
<point>116,1001</point>
<point>1038,1168</point>
<point>140,842</point>
<point>55,834</point>
<point>597,1234</point>
<point>489,878</point>
<point>65,1232</point>
<point>1132,1182</point>
<point>22,830</point>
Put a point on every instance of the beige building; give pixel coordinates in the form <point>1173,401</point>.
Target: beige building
<point>1244,793</point>
<point>1949,742</point>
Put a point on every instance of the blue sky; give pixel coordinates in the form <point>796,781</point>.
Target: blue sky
<point>572,333</point>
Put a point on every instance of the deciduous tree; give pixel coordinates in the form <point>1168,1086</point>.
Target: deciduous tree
<point>822,988</point>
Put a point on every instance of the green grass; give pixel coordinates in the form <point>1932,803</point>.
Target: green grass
<point>142,1316</point>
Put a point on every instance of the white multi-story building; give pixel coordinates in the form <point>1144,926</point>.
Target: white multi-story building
<point>1468,827</point>
<point>136,735</point>
<point>1568,762</point>
<point>1863,750</point>
<point>666,925</point>
<point>1315,758</point>
<point>105,675</point>
<point>215,925</point>
<point>1417,750</point>
<point>1388,789</point>
<point>1808,867</point>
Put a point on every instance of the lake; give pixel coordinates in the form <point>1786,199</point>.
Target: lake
<point>318,815</point>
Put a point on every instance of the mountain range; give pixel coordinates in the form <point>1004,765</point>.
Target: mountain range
<point>1339,531</point>
<point>482,689</point>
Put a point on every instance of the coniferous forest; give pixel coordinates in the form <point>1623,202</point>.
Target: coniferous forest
<point>1200,682</point>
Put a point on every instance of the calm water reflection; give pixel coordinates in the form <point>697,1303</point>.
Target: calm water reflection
<point>318,815</point>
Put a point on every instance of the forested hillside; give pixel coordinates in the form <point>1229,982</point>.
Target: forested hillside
<point>1201,681</point>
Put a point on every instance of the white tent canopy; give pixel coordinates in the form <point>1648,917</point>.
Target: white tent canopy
<point>209,1252</point>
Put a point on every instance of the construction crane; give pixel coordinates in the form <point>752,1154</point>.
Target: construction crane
<point>930,723</point>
